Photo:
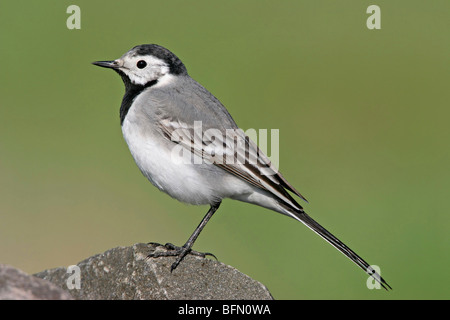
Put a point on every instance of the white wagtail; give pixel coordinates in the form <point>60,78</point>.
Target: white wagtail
<point>161,102</point>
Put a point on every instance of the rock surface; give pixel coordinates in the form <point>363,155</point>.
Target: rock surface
<point>127,273</point>
<point>17,285</point>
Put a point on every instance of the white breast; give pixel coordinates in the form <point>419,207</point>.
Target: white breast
<point>153,155</point>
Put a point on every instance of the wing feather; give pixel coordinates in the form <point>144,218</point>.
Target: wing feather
<point>235,153</point>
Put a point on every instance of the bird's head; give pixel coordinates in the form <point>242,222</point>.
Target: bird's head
<point>144,64</point>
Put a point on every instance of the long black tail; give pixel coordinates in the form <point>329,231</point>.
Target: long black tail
<point>335,242</point>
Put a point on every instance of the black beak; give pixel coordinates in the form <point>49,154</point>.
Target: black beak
<point>106,64</point>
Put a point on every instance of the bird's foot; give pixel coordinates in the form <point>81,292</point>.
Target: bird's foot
<point>174,251</point>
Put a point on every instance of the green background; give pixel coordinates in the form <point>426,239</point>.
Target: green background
<point>364,135</point>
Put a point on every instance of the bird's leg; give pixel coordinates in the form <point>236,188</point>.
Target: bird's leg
<point>181,252</point>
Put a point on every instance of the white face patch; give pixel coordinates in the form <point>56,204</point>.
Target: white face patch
<point>142,69</point>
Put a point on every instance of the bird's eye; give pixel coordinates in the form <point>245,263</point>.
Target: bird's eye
<point>141,64</point>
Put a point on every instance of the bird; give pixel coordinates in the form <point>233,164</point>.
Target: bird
<point>185,142</point>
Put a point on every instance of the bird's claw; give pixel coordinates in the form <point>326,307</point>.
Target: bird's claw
<point>175,251</point>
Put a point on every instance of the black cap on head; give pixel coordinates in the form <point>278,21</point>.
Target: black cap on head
<point>175,64</point>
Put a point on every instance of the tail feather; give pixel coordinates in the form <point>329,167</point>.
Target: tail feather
<point>335,242</point>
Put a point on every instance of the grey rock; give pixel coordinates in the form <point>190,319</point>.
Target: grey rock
<point>126,273</point>
<point>17,285</point>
